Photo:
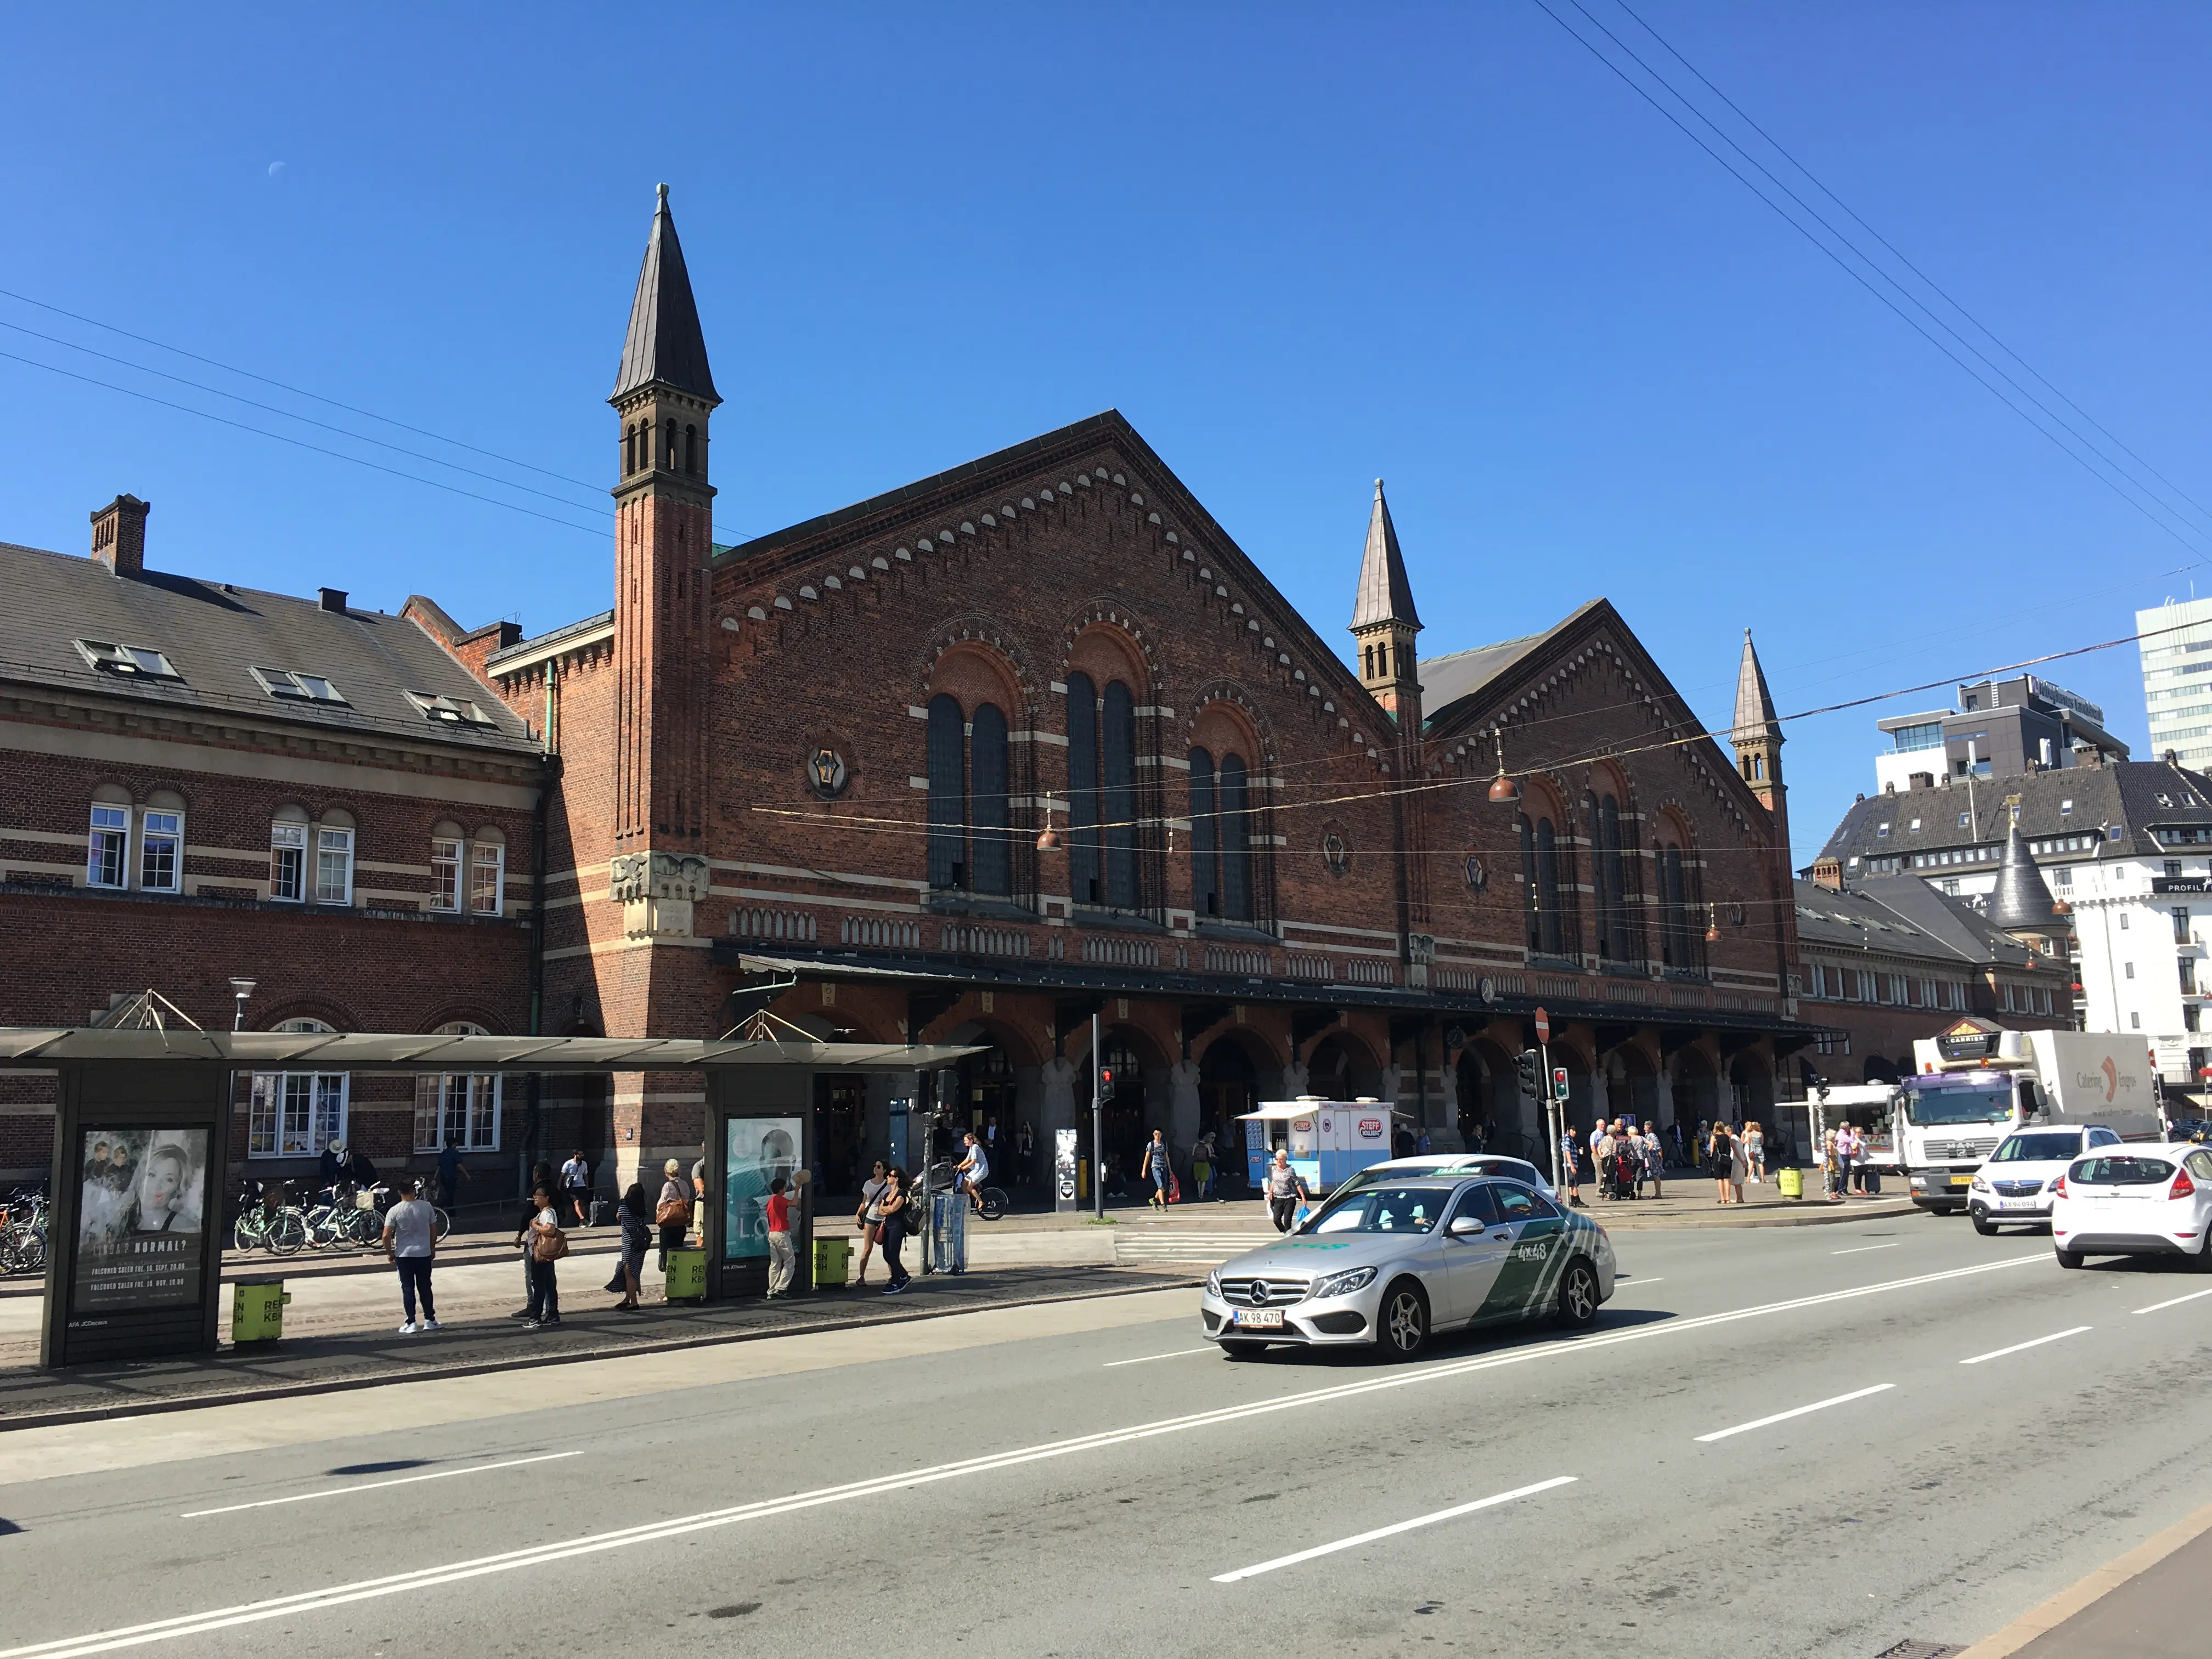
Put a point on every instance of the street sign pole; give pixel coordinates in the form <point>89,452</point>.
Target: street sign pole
<point>1097,1130</point>
<point>1551,1106</point>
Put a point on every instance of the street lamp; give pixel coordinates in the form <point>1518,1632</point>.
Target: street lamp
<point>239,990</point>
<point>1502,788</point>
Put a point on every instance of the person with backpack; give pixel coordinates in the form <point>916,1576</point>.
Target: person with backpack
<point>1159,1169</point>
<point>893,1203</point>
<point>576,1186</point>
<point>548,1244</point>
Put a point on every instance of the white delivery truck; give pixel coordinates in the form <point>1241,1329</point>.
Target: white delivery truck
<point>1974,1087</point>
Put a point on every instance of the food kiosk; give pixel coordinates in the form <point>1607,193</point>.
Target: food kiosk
<point>1329,1141</point>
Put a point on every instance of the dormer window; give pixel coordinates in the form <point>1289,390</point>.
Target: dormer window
<point>449,711</point>
<point>295,686</point>
<point>137,662</point>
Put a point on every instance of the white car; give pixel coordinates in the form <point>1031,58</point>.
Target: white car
<point>2139,1199</point>
<point>1445,1165</point>
<point>2014,1182</point>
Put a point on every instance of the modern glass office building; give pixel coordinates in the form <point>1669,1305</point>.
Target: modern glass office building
<point>2177,672</point>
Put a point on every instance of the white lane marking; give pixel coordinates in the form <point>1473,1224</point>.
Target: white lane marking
<point>1145,1359</point>
<point>1861,1250</point>
<point>2017,1347</point>
<point>1784,1416</point>
<point>2176,1302</point>
<point>378,1486</point>
<point>1392,1530</point>
<point>424,1577</point>
<point>1634,1284</point>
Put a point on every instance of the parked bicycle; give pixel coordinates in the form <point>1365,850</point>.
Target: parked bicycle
<point>23,1233</point>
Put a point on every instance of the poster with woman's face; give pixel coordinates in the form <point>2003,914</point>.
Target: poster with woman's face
<point>142,1205</point>
<point>760,1149</point>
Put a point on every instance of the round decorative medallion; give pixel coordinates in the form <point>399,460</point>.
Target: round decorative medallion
<point>1477,877</point>
<point>825,771</point>
<point>1335,850</point>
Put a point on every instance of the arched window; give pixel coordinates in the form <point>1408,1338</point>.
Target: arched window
<point>1205,837</point>
<point>1235,841</point>
<point>1608,875</point>
<point>691,449</point>
<point>296,1113</point>
<point>1085,865</point>
<point>986,771</point>
<point>629,449</point>
<point>1682,906</point>
<point>948,792</point>
<point>1539,880</point>
<point>1118,798</point>
<point>457,1108</point>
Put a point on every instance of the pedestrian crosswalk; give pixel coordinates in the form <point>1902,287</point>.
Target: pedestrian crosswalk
<point>1215,1245</point>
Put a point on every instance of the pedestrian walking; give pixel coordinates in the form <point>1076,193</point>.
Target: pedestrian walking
<point>782,1260</point>
<point>411,1239</point>
<point>450,1171</point>
<point>541,1184</point>
<point>1738,1168</point>
<point>1201,1164</point>
<point>1755,1151</point>
<point>1159,1170</point>
<point>1283,1188</point>
<point>637,1223</point>
<point>548,1244</point>
<point>671,1212</point>
<point>1025,1151</point>
<point>1569,1166</point>
<point>892,1201</point>
<point>1601,1151</point>
<point>1654,1160</point>
<point>1846,1156</point>
<point>576,1186</point>
<point>1697,1146</point>
<point>869,1218</point>
<point>1850,1147</point>
<point>1720,1160</point>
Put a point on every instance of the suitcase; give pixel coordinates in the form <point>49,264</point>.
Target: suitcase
<point>603,1212</point>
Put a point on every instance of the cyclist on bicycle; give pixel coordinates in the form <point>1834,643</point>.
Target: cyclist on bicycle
<point>974,1166</point>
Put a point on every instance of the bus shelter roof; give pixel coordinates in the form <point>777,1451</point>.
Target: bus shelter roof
<point>45,1048</point>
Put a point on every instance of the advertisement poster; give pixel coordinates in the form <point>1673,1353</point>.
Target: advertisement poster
<point>142,1229</point>
<point>760,1149</point>
<point>1063,1164</point>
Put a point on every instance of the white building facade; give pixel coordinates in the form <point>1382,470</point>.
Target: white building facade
<point>2177,674</point>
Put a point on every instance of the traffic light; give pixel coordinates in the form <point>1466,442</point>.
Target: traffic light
<point>1531,1065</point>
<point>1559,1083</point>
<point>1105,1083</point>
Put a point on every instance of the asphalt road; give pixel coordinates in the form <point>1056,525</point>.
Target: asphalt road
<point>1077,1480</point>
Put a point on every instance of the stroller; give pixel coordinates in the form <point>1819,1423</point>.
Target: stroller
<point>1621,1170</point>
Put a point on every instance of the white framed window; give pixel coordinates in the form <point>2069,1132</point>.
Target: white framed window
<point>161,852</point>
<point>333,866</point>
<point>127,661</point>
<point>107,857</point>
<point>487,877</point>
<point>297,685</point>
<point>287,862</point>
<point>296,1113</point>
<point>460,1107</point>
<point>445,854</point>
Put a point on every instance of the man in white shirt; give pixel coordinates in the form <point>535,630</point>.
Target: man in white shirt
<point>576,1185</point>
<point>411,1239</point>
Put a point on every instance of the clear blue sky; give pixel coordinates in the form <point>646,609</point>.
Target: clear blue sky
<point>1298,246</point>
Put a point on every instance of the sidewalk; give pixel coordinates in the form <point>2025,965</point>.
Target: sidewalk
<point>483,1341</point>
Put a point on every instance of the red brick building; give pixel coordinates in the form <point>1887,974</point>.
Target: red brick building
<point>970,761</point>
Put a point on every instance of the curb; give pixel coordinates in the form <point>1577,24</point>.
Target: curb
<point>2089,1590</point>
<point>906,1315</point>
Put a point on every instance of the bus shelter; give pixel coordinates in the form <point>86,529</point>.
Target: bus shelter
<point>143,1134</point>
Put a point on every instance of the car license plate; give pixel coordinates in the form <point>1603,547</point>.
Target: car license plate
<point>1269,1317</point>
<point>2015,1204</point>
<point>1960,1180</point>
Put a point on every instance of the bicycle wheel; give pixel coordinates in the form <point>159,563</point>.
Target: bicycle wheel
<point>31,1252</point>
<point>994,1202</point>
<point>440,1223</point>
<point>10,1252</point>
<point>287,1234</point>
<point>362,1228</point>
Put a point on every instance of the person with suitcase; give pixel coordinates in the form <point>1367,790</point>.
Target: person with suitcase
<point>576,1186</point>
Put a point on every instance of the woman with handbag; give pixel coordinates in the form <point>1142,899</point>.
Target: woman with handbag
<point>892,1201</point>
<point>869,1219</point>
<point>636,1237</point>
<point>548,1244</point>
<point>672,1214</point>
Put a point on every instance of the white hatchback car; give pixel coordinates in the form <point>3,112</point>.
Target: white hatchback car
<point>2136,1199</point>
<point>2016,1182</point>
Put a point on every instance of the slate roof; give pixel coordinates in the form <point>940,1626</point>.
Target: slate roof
<point>214,635</point>
<point>1754,704</point>
<point>1458,675</point>
<point>2122,793</point>
<point>1384,594</point>
<point>1902,915</point>
<point>2021,901</point>
<point>665,342</point>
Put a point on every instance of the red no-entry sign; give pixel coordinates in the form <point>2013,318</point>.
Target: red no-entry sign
<point>1543,1026</point>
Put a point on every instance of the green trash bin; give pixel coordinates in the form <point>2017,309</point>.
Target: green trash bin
<point>1792,1183</point>
<point>256,1310</point>
<point>687,1275</point>
<point>833,1261</point>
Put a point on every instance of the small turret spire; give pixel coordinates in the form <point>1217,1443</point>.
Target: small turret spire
<point>1754,705</point>
<point>664,344</point>
<point>1384,622</point>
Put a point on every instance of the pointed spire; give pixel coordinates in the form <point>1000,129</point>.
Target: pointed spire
<point>665,342</point>
<point>2020,902</point>
<point>1754,708</point>
<point>1385,595</point>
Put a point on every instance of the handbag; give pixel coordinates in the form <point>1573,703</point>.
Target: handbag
<point>674,1212</point>
<point>551,1246</point>
<point>1175,1189</point>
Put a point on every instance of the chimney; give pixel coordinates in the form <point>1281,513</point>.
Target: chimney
<point>118,535</point>
<point>333,600</point>
<point>1828,873</point>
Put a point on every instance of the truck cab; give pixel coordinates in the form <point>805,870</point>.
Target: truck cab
<point>1949,1122</point>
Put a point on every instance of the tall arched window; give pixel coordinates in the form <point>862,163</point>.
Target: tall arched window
<point>1205,837</point>
<point>457,1108</point>
<point>1085,865</point>
<point>992,857</point>
<point>1118,798</point>
<point>1540,881</point>
<point>296,1113</point>
<point>948,793</point>
<point>1608,875</point>
<point>1682,906</point>
<point>1235,841</point>
<point>690,449</point>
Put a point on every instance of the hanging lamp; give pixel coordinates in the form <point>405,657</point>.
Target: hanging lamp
<point>1502,789</point>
